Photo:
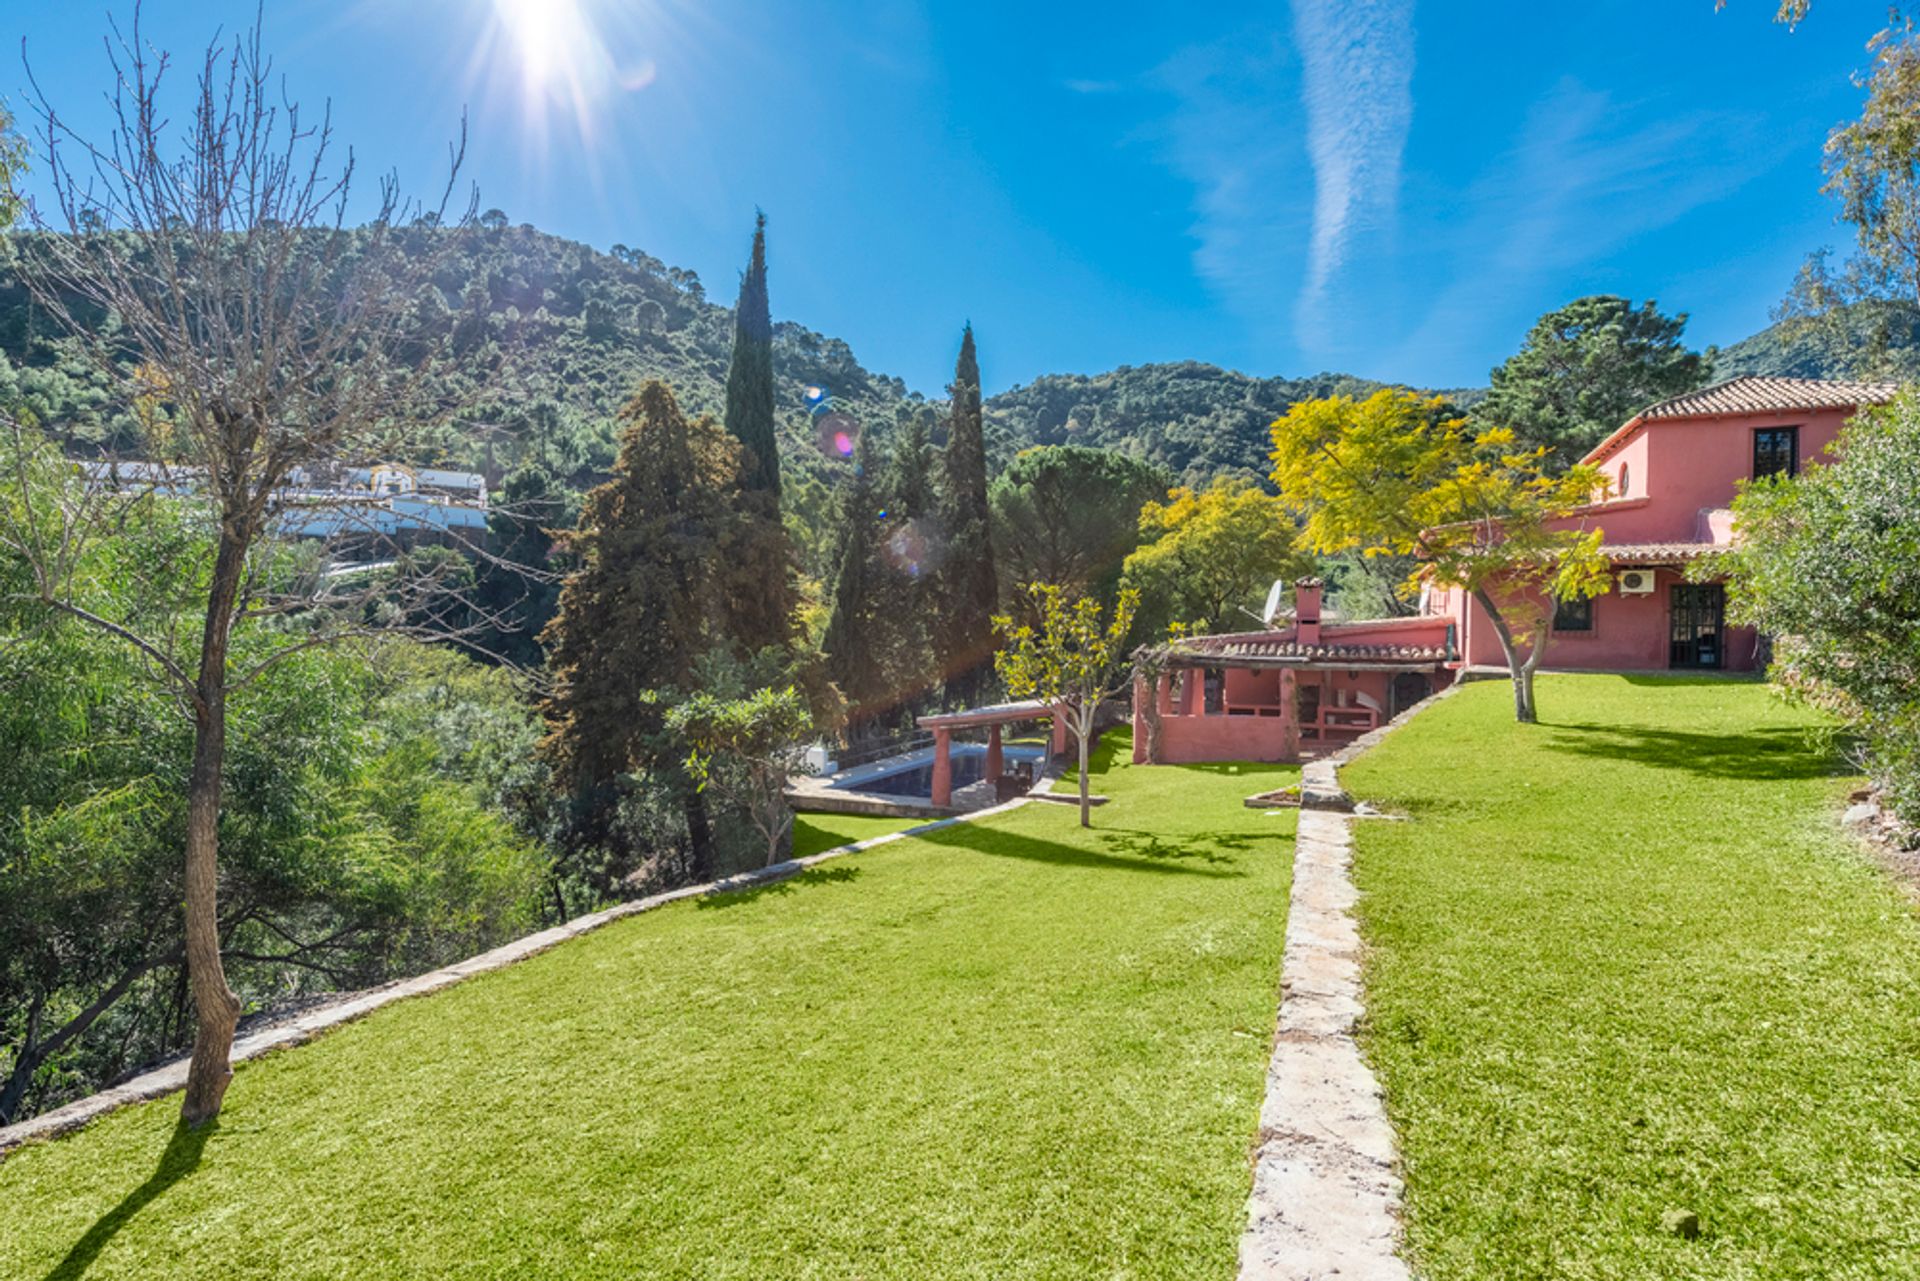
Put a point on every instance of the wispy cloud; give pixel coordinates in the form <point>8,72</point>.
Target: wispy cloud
<point>1293,142</point>
<point>1235,137</point>
<point>1092,86</point>
<point>1586,174</point>
<point>1357,86</point>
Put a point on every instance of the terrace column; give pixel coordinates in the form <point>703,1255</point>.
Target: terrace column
<point>1141,693</point>
<point>1058,743</point>
<point>994,762</point>
<point>1289,716</point>
<point>1163,696</point>
<point>942,767</point>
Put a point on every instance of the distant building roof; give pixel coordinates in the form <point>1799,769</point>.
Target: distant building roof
<point>1756,394</point>
<point>440,479</point>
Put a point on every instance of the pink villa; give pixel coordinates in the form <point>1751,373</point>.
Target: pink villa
<point>1297,691</point>
<point>1675,468</point>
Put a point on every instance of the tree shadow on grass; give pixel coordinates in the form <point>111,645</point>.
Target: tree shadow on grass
<point>720,899</point>
<point>1202,847</point>
<point>181,1157</point>
<point>1762,755</point>
<point>1686,679</point>
<point>1130,854</point>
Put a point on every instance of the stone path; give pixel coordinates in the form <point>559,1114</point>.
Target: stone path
<point>1326,1198</point>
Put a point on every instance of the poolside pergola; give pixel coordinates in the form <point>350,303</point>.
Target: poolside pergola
<point>994,719</point>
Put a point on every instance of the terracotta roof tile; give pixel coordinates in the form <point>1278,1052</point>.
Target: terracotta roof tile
<point>1283,648</point>
<point>1754,394</point>
<point>1656,553</point>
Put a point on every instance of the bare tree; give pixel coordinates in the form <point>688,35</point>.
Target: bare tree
<point>264,343</point>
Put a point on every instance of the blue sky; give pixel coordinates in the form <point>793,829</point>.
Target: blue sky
<point>1393,188</point>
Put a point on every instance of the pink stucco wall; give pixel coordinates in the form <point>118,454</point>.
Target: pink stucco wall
<point>1680,476</point>
<point>1630,633</point>
<point>1190,735</point>
<point>1190,740</point>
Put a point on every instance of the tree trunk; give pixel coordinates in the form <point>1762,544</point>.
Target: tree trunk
<point>699,836</point>
<point>1086,806</point>
<point>26,1062</point>
<point>1151,715</point>
<point>1522,672</point>
<point>216,1008</point>
<point>33,1051</point>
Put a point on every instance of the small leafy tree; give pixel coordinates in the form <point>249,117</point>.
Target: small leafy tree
<point>745,750</point>
<point>1393,475</point>
<point>1071,661</point>
<point>281,344</point>
<point>1209,553</point>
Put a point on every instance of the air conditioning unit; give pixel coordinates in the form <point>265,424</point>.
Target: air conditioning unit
<point>1636,582</point>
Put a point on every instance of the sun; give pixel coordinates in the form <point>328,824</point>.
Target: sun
<point>563,57</point>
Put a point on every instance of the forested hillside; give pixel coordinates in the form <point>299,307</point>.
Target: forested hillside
<point>558,335</point>
<point>550,337</point>
<point>1862,342</point>
<point>1195,419</point>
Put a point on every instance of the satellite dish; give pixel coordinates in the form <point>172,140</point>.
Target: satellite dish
<point>1274,596</point>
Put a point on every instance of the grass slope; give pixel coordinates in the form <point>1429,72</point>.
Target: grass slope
<point>816,833</point>
<point>1008,1049</point>
<point>1625,963</point>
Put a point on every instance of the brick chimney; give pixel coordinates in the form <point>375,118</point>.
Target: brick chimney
<point>1306,611</point>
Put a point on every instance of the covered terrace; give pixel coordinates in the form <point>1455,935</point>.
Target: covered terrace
<point>1288,693</point>
<point>994,720</point>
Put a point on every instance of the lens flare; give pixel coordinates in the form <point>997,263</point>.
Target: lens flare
<point>836,435</point>
<point>912,548</point>
<point>567,59</point>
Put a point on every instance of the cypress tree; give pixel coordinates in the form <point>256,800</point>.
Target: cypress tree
<point>912,518</point>
<point>909,483</point>
<point>763,564</point>
<point>750,374</point>
<point>649,597</point>
<point>516,602</point>
<point>857,629</point>
<point>969,580</point>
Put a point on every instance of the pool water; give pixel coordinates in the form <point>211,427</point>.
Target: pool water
<point>913,776</point>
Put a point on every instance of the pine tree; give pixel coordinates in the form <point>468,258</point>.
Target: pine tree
<point>750,374</point>
<point>969,582</point>
<point>651,594</point>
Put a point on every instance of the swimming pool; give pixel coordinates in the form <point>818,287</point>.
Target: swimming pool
<point>912,774</point>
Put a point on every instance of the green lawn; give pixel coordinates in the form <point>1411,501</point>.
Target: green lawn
<point>1622,963</point>
<point>1008,1049</point>
<point>813,833</point>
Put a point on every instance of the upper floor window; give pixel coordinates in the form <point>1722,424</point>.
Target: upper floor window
<point>1625,476</point>
<point>1776,452</point>
<point>1573,615</point>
